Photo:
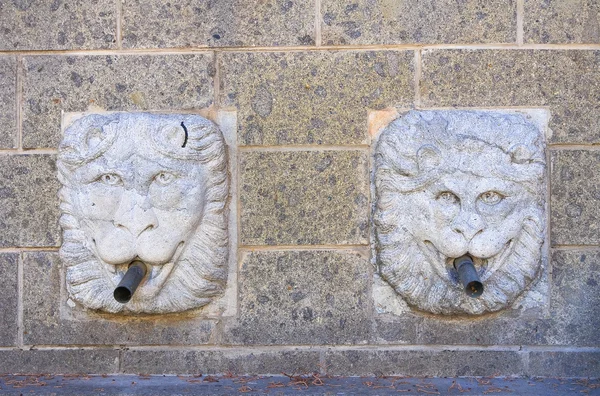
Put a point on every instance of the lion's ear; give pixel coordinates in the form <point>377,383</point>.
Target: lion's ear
<point>428,158</point>
<point>93,139</point>
<point>519,154</point>
<point>175,136</point>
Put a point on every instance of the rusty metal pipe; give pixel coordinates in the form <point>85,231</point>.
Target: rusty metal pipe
<point>468,276</point>
<point>130,282</point>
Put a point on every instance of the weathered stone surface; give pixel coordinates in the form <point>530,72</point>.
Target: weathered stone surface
<point>65,361</point>
<point>487,331</point>
<point>567,81</point>
<point>312,97</point>
<point>8,299</point>
<point>48,320</point>
<point>564,364</point>
<point>304,198</point>
<point>421,362</point>
<point>451,183</point>
<point>223,23</point>
<point>305,297</point>
<point>399,22</point>
<point>575,301</point>
<point>8,101</point>
<point>575,197</point>
<point>151,188</point>
<point>53,25</point>
<point>574,21</point>
<point>28,201</point>
<point>390,330</point>
<point>237,361</point>
<point>75,83</point>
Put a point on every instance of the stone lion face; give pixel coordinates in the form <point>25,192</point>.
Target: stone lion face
<point>450,184</point>
<point>143,187</point>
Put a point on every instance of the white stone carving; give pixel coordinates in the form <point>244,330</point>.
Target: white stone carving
<point>453,182</point>
<point>150,187</point>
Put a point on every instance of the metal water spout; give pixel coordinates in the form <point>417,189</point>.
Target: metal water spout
<point>130,282</point>
<point>467,274</point>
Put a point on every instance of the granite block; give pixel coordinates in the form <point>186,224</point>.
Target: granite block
<point>117,83</point>
<point>223,23</point>
<point>566,81</point>
<point>575,301</point>
<point>446,363</point>
<point>575,197</point>
<point>565,364</point>
<point>8,299</point>
<point>64,361</point>
<point>8,101</point>
<point>390,330</point>
<point>304,198</point>
<point>238,361</point>
<point>483,331</point>
<point>58,25</point>
<point>302,297</point>
<point>312,97</point>
<point>48,320</point>
<point>416,21</point>
<point>556,22</point>
<point>28,201</point>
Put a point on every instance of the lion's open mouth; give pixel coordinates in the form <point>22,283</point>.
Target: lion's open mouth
<point>444,265</point>
<point>155,278</point>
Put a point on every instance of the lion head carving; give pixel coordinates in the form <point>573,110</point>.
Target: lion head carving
<point>450,183</point>
<point>148,187</point>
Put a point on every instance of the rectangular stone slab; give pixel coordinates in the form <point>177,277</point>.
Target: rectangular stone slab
<point>304,198</point>
<point>418,21</point>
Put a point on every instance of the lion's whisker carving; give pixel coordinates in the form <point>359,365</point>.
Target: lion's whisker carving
<point>455,183</point>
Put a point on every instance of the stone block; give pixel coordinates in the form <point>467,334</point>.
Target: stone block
<point>302,297</point>
<point>566,81</point>
<point>435,363</point>
<point>304,198</point>
<point>63,361</point>
<point>483,331</point>
<point>28,201</point>
<point>390,330</point>
<point>575,302</point>
<point>8,101</point>
<point>56,25</point>
<point>575,197</point>
<point>312,97</point>
<point>223,23</point>
<point>218,361</point>
<point>53,84</point>
<point>49,320</point>
<point>435,22</point>
<point>8,299</point>
<point>556,22</point>
<point>564,364</point>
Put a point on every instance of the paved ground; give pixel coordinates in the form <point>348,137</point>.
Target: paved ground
<point>295,385</point>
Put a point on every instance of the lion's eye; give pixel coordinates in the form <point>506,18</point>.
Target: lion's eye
<point>447,197</point>
<point>491,197</point>
<point>164,178</point>
<point>111,179</point>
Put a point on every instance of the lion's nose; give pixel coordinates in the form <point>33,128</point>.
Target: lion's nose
<point>468,224</point>
<point>134,215</point>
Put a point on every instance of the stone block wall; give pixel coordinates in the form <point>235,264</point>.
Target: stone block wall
<point>303,76</point>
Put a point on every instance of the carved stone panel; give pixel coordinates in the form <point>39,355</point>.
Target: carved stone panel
<point>149,188</point>
<point>450,183</point>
